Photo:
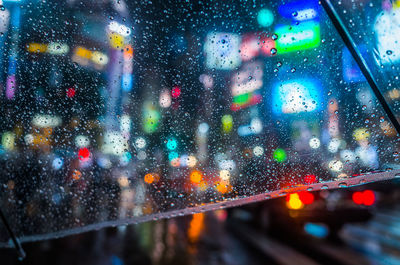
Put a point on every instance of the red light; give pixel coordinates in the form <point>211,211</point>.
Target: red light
<point>83,154</point>
<point>306,197</point>
<point>310,179</point>
<point>176,92</point>
<point>71,92</point>
<point>366,197</point>
<point>358,197</point>
<point>369,197</point>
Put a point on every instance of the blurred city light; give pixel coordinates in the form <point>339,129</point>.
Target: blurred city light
<point>279,155</point>
<point>366,197</point>
<point>300,10</point>
<point>265,17</point>
<point>295,96</point>
<point>83,154</point>
<point>305,35</point>
<point>222,50</point>
<point>293,201</point>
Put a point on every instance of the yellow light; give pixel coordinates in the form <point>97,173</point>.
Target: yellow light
<point>36,47</point>
<point>294,202</point>
<point>227,123</point>
<point>116,40</point>
<point>196,176</point>
<point>361,134</point>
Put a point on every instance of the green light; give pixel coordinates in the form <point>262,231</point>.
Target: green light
<point>304,36</point>
<point>265,18</point>
<point>151,120</point>
<point>279,155</point>
<point>227,123</point>
<point>172,143</point>
<point>172,156</point>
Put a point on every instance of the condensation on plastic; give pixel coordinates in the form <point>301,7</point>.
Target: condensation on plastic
<point>123,112</point>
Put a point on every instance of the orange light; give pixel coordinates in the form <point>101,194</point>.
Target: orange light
<point>195,227</point>
<point>128,52</point>
<point>293,201</point>
<point>83,52</point>
<point>196,176</point>
<point>223,186</point>
<point>36,47</point>
<point>76,175</point>
<point>149,178</point>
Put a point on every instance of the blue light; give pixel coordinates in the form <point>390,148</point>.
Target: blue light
<point>351,71</point>
<point>265,17</point>
<point>172,144</point>
<point>172,156</point>
<point>57,163</point>
<point>296,96</point>
<point>127,82</point>
<point>300,10</point>
<point>317,230</point>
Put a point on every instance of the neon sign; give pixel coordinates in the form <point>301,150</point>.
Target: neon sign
<point>304,36</point>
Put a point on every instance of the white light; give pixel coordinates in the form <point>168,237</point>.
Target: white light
<point>29,139</point>
<point>114,143</point>
<point>387,32</point>
<point>256,125</point>
<point>56,48</point>
<point>165,99</point>
<point>222,50</point>
<point>206,80</point>
<point>314,143</point>
<point>305,14</point>
<point>82,141</point>
<point>140,143</point>
<point>333,145</point>
<point>225,175</point>
<point>335,165</point>
<point>46,121</point>
<point>119,28</point>
<point>347,156</point>
<point>203,128</point>
<point>258,151</point>
<point>141,155</point>
<point>125,125</point>
<point>227,165</point>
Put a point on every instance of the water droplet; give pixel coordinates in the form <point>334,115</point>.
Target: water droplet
<point>342,185</point>
<point>2,8</point>
<point>293,70</point>
<point>279,64</point>
<point>273,51</point>
<point>389,52</point>
<point>324,187</point>
<point>364,107</point>
<point>274,36</point>
<point>295,13</point>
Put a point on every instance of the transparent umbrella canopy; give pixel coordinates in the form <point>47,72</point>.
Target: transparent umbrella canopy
<point>119,112</point>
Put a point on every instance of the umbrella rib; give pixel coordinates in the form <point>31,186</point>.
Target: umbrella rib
<point>351,46</point>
